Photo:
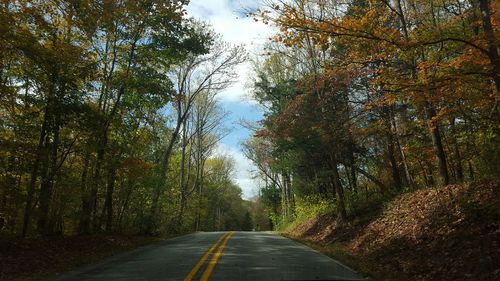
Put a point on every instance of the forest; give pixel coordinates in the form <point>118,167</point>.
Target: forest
<point>367,99</point>
<point>380,140</point>
<point>109,117</point>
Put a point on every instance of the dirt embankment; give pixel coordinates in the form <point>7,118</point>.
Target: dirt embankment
<point>447,233</point>
<point>35,259</point>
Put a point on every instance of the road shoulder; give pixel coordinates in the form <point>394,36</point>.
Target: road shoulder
<point>40,258</point>
<point>337,252</point>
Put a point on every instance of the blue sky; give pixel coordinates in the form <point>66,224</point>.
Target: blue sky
<point>239,111</point>
<point>227,18</point>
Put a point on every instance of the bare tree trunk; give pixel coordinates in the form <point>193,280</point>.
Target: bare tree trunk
<point>429,110</point>
<point>199,181</point>
<point>183,205</point>
<point>352,172</point>
<point>43,158</point>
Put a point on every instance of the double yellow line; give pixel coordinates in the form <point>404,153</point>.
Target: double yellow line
<point>210,267</point>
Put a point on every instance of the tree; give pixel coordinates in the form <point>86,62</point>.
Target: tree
<point>247,224</point>
<point>84,87</point>
<point>369,93</point>
<point>197,74</point>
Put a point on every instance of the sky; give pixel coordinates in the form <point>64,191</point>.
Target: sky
<point>227,18</point>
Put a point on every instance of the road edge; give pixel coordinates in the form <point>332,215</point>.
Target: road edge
<point>107,257</point>
<point>338,254</point>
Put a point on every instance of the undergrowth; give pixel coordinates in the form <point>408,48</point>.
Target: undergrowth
<point>445,233</point>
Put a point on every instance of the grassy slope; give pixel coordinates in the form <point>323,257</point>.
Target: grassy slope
<point>447,233</point>
<point>35,259</point>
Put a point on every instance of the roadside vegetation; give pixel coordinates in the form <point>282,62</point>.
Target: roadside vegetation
<point>380,139</point>
<point>446,233</point>
<point>43,257</point>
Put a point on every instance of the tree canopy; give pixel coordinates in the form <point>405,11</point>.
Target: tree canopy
<point>89,93</point>
<point>375,97</point>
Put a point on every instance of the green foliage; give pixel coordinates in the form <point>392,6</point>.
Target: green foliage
<point>271,196</point>
<point>247,224</point>
<point>85,93</point>
<point>490,153</point>
<point>313,206</point>
<point>375,99</point>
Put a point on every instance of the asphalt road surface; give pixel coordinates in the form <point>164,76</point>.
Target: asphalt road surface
<point>232,256</point>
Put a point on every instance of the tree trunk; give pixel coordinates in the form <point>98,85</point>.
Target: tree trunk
<point>108,203</point>
<point>471,171</point>
<point>47,186</point>
<point>89,209</point>
<point>84,223</point>
<point>367,175</point>
<point>429,110</point>
<point>124,207</point>
<point>484,7</point>
<point>396,177</point>
<point>339,192</point>
<point>89,217</point>
<point>45,195</point>
<point>96,180</point>
<point>182,176</point>
<point>200,195</point>
<point>430,176</point>
<point>289,195</point>
<point>351,172</point>
<point>456,151</point>
<point>394,128</point>
<point>183,204</point>
<point>437,143</point>
<point>284,198</point>
<point>164,166</point>
<point>34,176</point>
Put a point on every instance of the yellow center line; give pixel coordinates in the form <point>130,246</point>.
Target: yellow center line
<point>204,258</point>
<point>216,257</point>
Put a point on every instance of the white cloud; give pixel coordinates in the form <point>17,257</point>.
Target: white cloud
<point>236,93</point>
<point>228,19</point>
<point>243,169</point>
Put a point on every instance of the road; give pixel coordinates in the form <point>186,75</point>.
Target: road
<point>232,256</point>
